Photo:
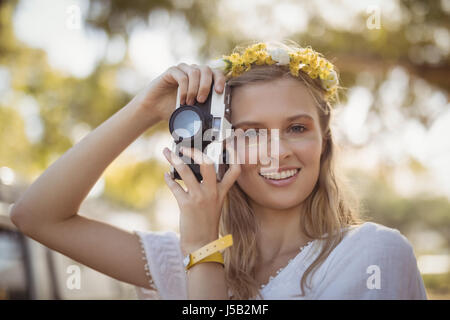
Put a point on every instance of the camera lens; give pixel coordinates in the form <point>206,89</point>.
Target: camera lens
<point>187,123</point>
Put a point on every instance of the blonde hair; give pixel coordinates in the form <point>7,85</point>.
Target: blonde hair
<point>328,210</point>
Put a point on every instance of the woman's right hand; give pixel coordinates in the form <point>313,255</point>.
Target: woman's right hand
<point>159,97</point>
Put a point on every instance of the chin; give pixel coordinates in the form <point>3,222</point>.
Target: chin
<point>278,200</point>
<point>282,203</point>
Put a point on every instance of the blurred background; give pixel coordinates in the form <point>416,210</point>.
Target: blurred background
<point>66,66</point>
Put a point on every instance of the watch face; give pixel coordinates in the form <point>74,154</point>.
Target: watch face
<point>186,261</point>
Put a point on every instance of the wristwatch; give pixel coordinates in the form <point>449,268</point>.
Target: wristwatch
<point>215,257</point>
<point>209,252</point>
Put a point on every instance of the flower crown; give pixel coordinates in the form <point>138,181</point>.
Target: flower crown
<point>305,59</point>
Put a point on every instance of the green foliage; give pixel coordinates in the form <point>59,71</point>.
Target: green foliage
<point>437,283</point>
<point>135,185</point>
<point>16,144</point>
<point>383,205</point>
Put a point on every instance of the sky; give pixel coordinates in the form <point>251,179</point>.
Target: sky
<point>72,47</point>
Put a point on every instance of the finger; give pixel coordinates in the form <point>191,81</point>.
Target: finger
<point>229,177</point>
<point>193,83</point>
<point>231,174</point>
<point>175,187</point>
<point>207,169</point>
<point>238,144</point>
<point>182,80</point>
<point>183,170</point>
<point>205,83</point>
<point>219,80</point>
<point>230,145</point>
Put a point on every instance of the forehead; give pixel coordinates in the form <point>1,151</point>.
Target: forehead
<point>271,101</point>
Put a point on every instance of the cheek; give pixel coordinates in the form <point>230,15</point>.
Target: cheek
<point>248,155</point>
<point>246,179</point>
<point>247,171</point>
<point>308,150</point>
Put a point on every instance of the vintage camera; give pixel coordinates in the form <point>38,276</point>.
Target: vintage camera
<point>203,126</point>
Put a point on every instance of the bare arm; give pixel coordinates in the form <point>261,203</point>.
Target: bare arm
<point>47,211</point>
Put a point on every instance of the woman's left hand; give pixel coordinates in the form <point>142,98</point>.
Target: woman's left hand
<point>201,205</point>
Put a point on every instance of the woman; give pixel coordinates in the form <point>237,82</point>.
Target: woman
<point>286,226</point>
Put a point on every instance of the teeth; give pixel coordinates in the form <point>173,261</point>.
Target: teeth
<point>282,175</point>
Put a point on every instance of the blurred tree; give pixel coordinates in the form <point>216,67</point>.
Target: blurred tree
<point>416,41</point>
<point>382,204</point>
<point>63,102</point>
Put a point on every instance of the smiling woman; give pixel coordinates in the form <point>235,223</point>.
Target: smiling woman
<point>286,210</point>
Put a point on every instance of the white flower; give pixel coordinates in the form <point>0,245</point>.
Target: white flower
<point>331,81</point>
<point>280,55</point>
<point>218,64</point>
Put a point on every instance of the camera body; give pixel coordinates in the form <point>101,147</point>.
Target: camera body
<point>203,126</point>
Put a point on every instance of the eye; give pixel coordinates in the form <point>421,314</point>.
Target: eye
<point>298,128</point>
<point>251,133</point>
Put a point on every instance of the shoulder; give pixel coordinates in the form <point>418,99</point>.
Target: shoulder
<point>372,261</point>
<point>371,235</point>
<point>370,244</point>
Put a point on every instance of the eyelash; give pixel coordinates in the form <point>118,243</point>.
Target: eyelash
<point>295,125</point>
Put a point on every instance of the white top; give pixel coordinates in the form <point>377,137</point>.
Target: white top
<point>371,262</point>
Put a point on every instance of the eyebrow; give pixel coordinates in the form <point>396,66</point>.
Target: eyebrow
<point>297,116</point>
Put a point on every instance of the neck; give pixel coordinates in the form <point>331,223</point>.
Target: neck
<point>279,232</point>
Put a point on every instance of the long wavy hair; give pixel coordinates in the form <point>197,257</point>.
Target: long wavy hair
<point>329,210</point>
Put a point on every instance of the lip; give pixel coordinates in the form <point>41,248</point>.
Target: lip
<point>282,182</point>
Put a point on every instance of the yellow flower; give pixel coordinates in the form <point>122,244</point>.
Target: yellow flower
<point>250,56</point>
<point>313,61</point>
<point>269,60</point>
<point>237,69</point>
<point>261,57</point>
<point>313,74</point>
<point>294,59</point>
<point>306,68</point>
<point>235,58</point>
<point>294,69</point>
<point>323,74</point>
<point>259,46</point>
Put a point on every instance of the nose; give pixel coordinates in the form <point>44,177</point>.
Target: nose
<point>276,151</point>
<point>284,149</point>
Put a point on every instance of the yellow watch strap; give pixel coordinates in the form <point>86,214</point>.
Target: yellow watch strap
<point>209,249</point>
<point>215,257</point>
